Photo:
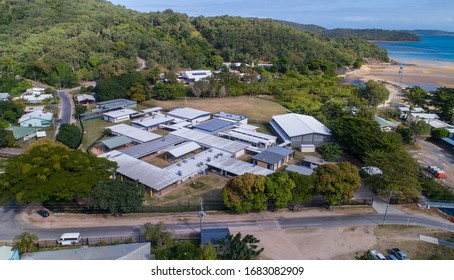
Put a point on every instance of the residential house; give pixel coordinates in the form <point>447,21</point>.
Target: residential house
<point>273,158</point>
<point>36,95</point>
<point>4,96</point>
<point>30,109</point>
<point>23,133</point>
<point>385,125</point>
<point>86,100</point>
<point>36,119</point>
<point>195,75</point>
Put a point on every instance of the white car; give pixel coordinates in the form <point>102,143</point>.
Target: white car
<point>377,255</point>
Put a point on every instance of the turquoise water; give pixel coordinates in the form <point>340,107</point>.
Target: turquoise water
<point>433,48</point>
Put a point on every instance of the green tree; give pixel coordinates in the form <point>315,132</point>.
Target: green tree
<point>416,96</point>
<point>400,173</point>
<point>117,196</point>
<point>439,133</point>
<point>278,189</point>
<point>25,242</point>
<point>49,171</point>
<point>6,107</point>
<point>245,193</point>
<point>407,134</point>
<point>79,110</point>
<point>6,138</point>
<point>420,129</point>
<point>209,252</point>
<point>304,187</point>
<point>238,248</point>
<point>166,91</point>
<point>336,182</point>
<point>70,135</point>
<point>374,92</point>
<point>137,93</point>
<point>443,100</point>
<point>329,151</point>
<point>183,250</point>
<point>158,236</point>
<point>366,256</point>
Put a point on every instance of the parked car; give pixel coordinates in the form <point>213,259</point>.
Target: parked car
<point>43,213</point>
<point>377,255</point>
<point>392,257</point>
<point>401,255</point>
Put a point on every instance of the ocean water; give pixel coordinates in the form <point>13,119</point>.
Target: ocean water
<point>432,48</point>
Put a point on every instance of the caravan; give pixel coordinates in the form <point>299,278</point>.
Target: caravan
<point>69,239</point>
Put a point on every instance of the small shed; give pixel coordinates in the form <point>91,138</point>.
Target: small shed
<point>213,235</point>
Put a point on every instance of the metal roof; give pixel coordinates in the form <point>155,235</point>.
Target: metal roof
<point>213,125</point>
<point>134,133</point>
<point>188,113</point>
<point>153,121</point>
<point>425,116</point>
<point>152,110</point>
<point>147,174</point>
<point>83,97</point>
<point>116,103</point>
<point>280,150</point>
<point>230,116</point>
<point>296,125</point>
<point>260,135</point>
<point>383,122</point>
<point>238,167</point>
<point>450,141</point>
<point>147,148</point>
<point>37,115</point>
<point>299,169</point>
<point>120,113</point>
<point>4,95</point>
<point>213,235</point>
<point>273,156</point>
<point>134,251</point>
<point>117,141</point>
<point>20,132</point>
<point>208,140</point>
<point>243,137</point>
<point>183,149</point>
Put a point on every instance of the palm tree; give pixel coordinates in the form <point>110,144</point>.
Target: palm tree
<point>25,242</point>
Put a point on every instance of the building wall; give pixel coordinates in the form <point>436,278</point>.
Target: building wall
<point>200,119</point>
<point>309,139</point>
<point>116,120</point>
<point>261,164</point>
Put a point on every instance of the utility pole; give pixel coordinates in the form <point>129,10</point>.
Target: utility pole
<point>201,214</point>
<point>387,205</point>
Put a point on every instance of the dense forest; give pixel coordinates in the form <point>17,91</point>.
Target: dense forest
<point>61,42</point>
<point>367,34</point>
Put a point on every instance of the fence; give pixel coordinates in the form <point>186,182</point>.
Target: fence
<point>322,203</point>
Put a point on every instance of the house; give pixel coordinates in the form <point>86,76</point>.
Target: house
<point>36,95</point>
<point>273,158</point>
<point>133,251</point>
<point>213,235</point>
<point>416,117</point>
<point>118,115</point>
<point>405,111</point>
<point>86,100</point>
<point>297,130</point>
<point>193,116</point>
<point>4,96</point>
<point>237,119</point>
<point>213,126</point>
<point>385,125</point>
<point>36,119</point>
<point>153,122</point>
<point>23,133</point>
<point>8,253</point>
<point>30,109</point>
<point>137,135</point>
<point>195,75</point>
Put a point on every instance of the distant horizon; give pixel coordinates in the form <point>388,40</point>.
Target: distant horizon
<point>330,14</point>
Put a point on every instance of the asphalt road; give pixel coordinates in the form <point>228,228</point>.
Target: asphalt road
<point>66,109</point>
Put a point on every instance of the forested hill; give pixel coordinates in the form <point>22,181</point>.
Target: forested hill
<point>367,34</point>
<point>64,41</point>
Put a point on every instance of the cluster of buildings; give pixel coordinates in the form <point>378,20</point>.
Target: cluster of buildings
<point>193,142</point>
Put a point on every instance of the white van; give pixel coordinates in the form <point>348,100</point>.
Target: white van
<point>69,239</point>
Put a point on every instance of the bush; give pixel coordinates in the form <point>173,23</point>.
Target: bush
<point>102,243</point>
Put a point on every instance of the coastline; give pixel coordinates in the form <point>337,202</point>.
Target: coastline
<point>429,75</point>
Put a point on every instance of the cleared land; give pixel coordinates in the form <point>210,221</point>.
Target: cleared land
<point>258,108</point>
<point>93,130</point>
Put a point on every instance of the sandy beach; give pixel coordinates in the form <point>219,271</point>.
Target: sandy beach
<point>426,74</point>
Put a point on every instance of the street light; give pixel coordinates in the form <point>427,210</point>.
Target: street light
<point>201,214</point>
<point>387,205</point>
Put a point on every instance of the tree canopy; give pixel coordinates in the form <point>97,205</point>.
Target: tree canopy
<point>245,193</point>
<point>374,93</point>
<point>69,135</point>
<point>49,171</point>
<point>236,247</point>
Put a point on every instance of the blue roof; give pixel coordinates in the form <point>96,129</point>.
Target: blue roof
<point>450,141</point>
<point>213,125</point>
<point>280,150</point>
<point>213,235</point>
<point>273,154</point>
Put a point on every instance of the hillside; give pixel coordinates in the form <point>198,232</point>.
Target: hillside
<point>420,32</point>
<point>367,34</point>
<point>61,42</point>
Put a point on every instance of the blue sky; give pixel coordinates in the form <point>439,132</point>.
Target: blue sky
<point>385,14</point>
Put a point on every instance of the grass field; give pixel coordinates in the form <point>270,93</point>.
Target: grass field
<point>261,109</point>
<point>93,130</point>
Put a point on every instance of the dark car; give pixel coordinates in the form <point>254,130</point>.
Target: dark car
<point>401,255</point>
<point>43,213</point>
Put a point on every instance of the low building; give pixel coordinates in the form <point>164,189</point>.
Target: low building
<point>154,146</point>
<point>251,137</point>
<point>36,119</point>
<point>86,100</point>
<point>213,126</point>
<point>118,115</point>
<point>237,119</point>
<point>385,125</point>
<point>116,104</point>
<point>404,111</point>
<point>135,134</point>
<point>231,167</point>
<point>134,251</point>
<point>36,95</point>
<point>23,133</point>
<point>300,130</point>
<point>153,122</point>
<point>152,111</point>
<point>8,253</point>
<point>313,161</point>
<point>193,76</point>
<point>182,151</point>
<point>193,116</point>
<point>114,143</point>
<point>416,117</point>
<point>29,109</point>
<point>4,96</point>
<point>213,235</point>
<point>273,158</point>
<point>302,170</point>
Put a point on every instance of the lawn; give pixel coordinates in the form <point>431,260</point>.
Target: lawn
<point>256,109</point>
<point>93,130</point>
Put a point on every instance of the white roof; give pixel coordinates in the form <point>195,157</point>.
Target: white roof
<point>153,120</point>
<point>37,115</point>
<point>151,110</point>
<point>425,116</point>
<point>295,125</point>
<point>147,174</point>
<point>247,126</point>
<point>255,134</point>
<point>238,167</point>
<point>187,113</point>
<point>4,95</point>
<point>83,97</point>
<point>120,113</point>
<point>209,140</point>
<point>134,133</point>
<point>183,149</point>
<point>40,134</point>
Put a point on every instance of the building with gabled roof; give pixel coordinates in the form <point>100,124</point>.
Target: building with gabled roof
<point>300,130</point>
<point>153,122</point>
<point>119,115</point>
<point>135,134</point>
<point>213,126</point>
<point>36,119</point>
<point>23,133</point>
<point>273,158</point>
<point>193,116</point>
<point>4,96</point>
